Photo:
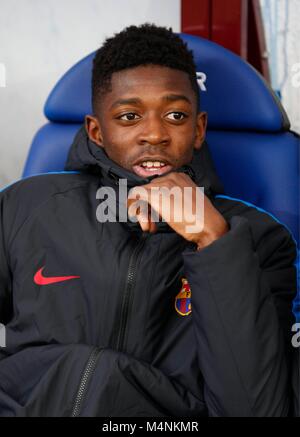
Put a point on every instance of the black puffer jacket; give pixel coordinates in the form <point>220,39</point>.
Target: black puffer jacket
<point>103,320</point>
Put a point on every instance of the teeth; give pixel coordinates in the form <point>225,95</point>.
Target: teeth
<point>151,164</point>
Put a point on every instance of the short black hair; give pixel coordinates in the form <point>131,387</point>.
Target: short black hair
<point>140,45</point>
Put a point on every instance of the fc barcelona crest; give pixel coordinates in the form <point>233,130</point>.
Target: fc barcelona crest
<point>183,303</point>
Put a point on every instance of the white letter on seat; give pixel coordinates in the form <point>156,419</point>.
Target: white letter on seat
<point>201,79</point>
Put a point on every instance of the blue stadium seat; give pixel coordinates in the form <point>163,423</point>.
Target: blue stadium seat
<point>255,153</point>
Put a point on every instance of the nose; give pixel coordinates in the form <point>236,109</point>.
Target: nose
<point>154,132</point>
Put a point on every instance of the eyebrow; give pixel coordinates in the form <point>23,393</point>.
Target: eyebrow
<point>175,97</point>
<point>137,100</point>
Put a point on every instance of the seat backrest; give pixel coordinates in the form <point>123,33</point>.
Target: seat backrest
<point>255,154</point>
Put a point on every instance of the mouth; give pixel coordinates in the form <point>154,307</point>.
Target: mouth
<point>151,166</point>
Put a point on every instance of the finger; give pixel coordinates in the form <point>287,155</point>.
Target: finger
<point>152,224</point>
<point>153,227</point>
<point>146,220</point>
<point>143,221</point>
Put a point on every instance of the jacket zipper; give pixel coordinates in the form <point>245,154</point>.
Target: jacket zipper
<point>86,376</point>
<point>129,287</point>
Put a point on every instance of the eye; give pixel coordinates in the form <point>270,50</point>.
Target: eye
<point>129,116</point>
<point>176,116</point>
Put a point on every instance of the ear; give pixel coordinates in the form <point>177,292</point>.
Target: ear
<point>201,125</point>
<point>93,129</point>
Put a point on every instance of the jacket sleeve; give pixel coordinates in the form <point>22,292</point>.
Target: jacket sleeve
<point>242,314</point>
<point>5,277</point>
<point>296,381</point>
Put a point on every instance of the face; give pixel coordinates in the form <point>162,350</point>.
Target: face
<point>148,123</point>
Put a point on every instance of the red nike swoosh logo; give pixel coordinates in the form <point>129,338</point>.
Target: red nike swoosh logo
<point>40,279</point>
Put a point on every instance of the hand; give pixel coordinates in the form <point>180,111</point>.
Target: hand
<point>189,212</point>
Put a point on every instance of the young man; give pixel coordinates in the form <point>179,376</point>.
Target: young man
<point>146,318</point>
